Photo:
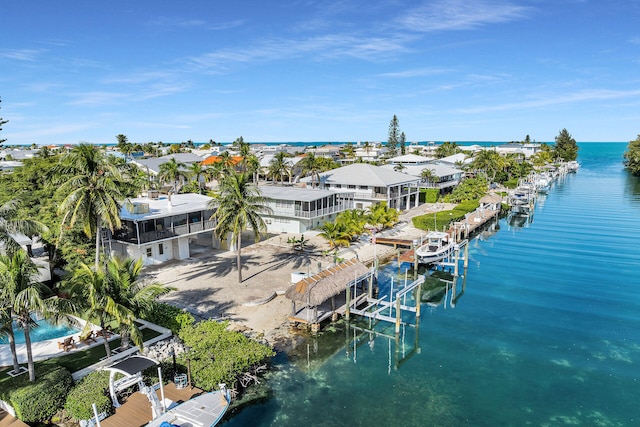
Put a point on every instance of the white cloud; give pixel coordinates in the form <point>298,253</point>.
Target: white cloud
<point>323,46</point>
<point>182,23</point>
<point>418,72</point>
<point>582,96</point>
<point>445,15</point>
<point>97,98</point>
<point>21,54</point>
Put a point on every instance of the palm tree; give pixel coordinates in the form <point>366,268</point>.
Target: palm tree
<point>23,294</point>
<point>336,234</point>
<point>196,170</point>
<point>215,172</point>
<point>278,166</point>
<point>311,165</point>
<point>399,167</point>
<point>6,330</point>
<point>172,171</point>
<point>349,150</point>
<point>429,175</point>
<point>380,214</point>
<point>10,226</point>
<point>93,187</point>
<point>113,294</point>
<point>251,163</point>
<point>354,221</point>
<point>131,292</point>
<point>238,204</point>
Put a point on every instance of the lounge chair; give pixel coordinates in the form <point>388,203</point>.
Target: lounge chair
<point>67,344</point>
<point>88,338</point>
<point>105,333</point>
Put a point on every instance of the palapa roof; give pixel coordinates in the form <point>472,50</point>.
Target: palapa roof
<point>320,287</point>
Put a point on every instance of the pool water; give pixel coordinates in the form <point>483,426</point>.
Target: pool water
<point>43,332</point>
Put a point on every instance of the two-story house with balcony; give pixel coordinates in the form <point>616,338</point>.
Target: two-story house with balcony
<point>372,184</point>
<point>296,210</point>
<point>159,228</point>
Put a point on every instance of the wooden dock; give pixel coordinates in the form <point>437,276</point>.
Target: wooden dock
<point>393,241</point>
<point>6,420</point>
<point>136,411</point>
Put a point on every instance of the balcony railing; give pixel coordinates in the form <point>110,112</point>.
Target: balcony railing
<point>299,213</point>
<point>176,231</point>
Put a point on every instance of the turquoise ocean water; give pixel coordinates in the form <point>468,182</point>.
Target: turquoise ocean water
<point>546,331</point>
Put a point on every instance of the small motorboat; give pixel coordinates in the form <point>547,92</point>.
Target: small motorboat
<point>205,410</point>
<point>437,246</point>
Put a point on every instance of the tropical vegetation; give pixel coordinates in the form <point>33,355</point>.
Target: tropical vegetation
<point>566,147</point>
<point>632,157</point>
<point>238,205</point>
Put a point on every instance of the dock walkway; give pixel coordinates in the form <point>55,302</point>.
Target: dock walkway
<point>136,411</point>
<point>6,420</point>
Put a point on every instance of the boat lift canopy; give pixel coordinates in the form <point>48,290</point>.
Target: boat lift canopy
<point>131,368</point>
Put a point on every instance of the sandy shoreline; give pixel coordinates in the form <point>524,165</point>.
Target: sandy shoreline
<point>207,283</point>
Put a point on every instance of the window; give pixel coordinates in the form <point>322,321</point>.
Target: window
<point>160,249</point>
<point>149,252</point>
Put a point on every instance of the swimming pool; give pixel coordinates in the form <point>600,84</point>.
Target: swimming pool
<point>44,331</point>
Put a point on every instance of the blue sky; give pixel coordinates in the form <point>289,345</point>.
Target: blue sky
<point>277,70</point>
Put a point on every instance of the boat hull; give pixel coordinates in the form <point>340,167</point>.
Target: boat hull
<point>204,410</point>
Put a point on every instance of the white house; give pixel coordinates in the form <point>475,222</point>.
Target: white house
<point>296,210</point>
<point>160,228</point>
<point>372,184</point>
<point>446,176</point>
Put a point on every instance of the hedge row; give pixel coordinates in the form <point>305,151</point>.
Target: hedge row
<point>91,389</point>
<point>40,400</point>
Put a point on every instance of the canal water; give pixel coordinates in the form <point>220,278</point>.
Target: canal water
<point>544,331</point>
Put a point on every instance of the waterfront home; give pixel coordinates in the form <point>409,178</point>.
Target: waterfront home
<point>410,160</point>
<point>369,151</point>
<point>444,176</point>
<point>296,210</point>
<point>371,184</point>
<point>159,228</point>
<point>527,150</point>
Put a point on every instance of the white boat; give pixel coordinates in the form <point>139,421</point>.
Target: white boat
<point>543,182</point>
<point>573,166</point>
<point>205,410</point>
<point>435,248</point>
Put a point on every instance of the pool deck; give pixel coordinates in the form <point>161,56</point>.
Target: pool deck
<point>42,350</point>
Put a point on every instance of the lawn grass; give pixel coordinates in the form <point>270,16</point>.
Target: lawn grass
<point>76,360</point>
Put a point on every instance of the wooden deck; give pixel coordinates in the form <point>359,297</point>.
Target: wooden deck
<point>393,241</point>
<point>7,420</point>
<point>136,411</point>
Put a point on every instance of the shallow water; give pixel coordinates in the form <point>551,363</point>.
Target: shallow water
<point>546,331</point>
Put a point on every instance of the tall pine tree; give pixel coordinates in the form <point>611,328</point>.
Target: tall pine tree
<point>2,121</point>
<point>394,136</point>
<point>566,147</point>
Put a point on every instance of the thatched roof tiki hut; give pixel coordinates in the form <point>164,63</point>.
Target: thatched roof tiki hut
<point>323,295</point>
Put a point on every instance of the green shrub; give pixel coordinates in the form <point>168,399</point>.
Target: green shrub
<point>219,355</point>
<point>169,317</point>
<point>467,206</point>
<point>40,400</point>
<point>429,195</point>
<point>512,183</point>
<point>93,388</point>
